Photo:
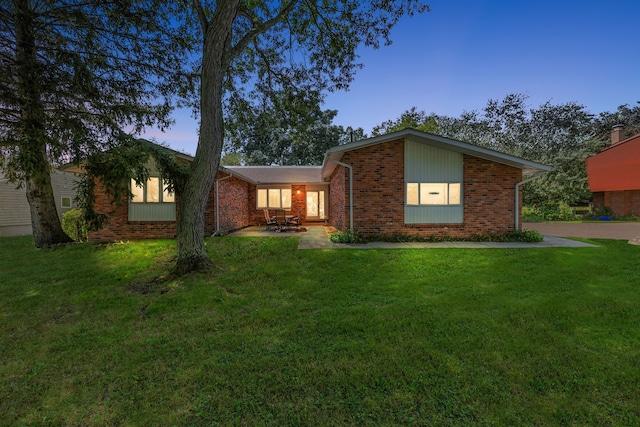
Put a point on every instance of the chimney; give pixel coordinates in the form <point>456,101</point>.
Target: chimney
<point>616,134</point>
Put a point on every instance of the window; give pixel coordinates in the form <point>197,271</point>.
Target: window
<point>274,198</point>
<point>433,193</point>
<point>151,192</point>
<point>65,202</point>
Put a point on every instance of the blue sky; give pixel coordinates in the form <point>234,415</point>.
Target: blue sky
<point>465,52</point>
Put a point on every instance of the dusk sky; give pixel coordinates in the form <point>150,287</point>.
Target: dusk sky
<point>465,52</point>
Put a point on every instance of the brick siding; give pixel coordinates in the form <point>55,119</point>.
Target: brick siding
<point>120,228</point>
<point>339,198</point>
<point>234,214</point>
<point>622,203</point>
<point>378,192</point>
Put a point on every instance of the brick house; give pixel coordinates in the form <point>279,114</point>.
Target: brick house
<point>406,182</point>
<point>614,177</point>
<point>411,182</point>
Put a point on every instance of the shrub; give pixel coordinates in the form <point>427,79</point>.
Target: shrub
<point>528,236</point>
<point>74,225</point>
<point>349,236</point>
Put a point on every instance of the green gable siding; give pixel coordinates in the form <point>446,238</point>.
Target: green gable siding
<point>425,163</point>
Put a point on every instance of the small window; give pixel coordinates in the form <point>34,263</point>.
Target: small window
<point>433,193</point>
<point>274,198</point>
<point>66,202</point>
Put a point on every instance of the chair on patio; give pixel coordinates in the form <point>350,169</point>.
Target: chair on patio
<point>295,221</point>
<point>281,219</point>
<point>270,220</point>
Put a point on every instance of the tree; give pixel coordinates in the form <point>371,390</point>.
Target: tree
<point>292,131</point>
<point>557,135</point>
<point>412,118</point>
<point>627,116</point>
<point>270,46</point>
<point>73,75</point>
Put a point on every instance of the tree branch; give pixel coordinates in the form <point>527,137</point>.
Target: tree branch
<point>259,29</point>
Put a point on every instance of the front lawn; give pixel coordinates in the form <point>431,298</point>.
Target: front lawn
<point>90,336</point>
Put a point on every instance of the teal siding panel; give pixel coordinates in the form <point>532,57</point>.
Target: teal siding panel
<point>433,214</point>
<point>152,211</point>
<point>424,163</point>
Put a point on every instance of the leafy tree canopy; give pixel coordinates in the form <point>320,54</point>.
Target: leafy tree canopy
<point>293,131</point>
<point>627,116</point>
<point>412,118</point>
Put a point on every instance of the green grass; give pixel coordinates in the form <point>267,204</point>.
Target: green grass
<point>279,336</point>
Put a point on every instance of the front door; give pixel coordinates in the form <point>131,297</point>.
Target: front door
<point>315,205</point>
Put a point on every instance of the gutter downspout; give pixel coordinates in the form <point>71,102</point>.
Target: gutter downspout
<point>350,190</point>
<point>217,232</point>
<point>517,210</point>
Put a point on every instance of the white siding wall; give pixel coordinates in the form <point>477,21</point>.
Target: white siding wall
<point>15,218</point>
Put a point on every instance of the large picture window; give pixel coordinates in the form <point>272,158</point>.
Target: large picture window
<point>151,202</point>
<point>274,198</point>
<point>433,193</point>
<point>151,192</point>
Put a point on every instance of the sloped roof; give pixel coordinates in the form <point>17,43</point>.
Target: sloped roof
<point>278,174</point>
<point>616,167</point>
<point>335,153</point>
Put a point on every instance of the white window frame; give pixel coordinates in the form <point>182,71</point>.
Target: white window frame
<point>421,199</point>
<point>162,197</point>
<point>64,205</point>
<point>284,201</point>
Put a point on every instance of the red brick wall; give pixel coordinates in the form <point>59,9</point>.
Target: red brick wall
<point>378,187</point>
<point>298,201</point>
<point>120,228</point>
<point>234,214</point>
<point>622,203</point>
<point>489,195</point>
<point>234,210</point>
<point>339,198</point>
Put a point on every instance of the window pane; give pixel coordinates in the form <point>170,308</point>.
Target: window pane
<point>137,191</point>
<point>312,203</point>
<point>262,198</point>
<point>321,204</point>
<point>274,198</point>
<point>433,194</point>
<point>66,202</point>
<point>454,193</point>
<point>412,194</point>
<point>153,190</point>
<point>286,198</point>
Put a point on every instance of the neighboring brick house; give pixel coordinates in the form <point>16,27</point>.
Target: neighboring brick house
<point>614,175</point>
<point>411,182</point>
<point>407,182</point>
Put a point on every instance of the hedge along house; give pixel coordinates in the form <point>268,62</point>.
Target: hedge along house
<point>614,175</point>
<point>406,182</point>
<point>411,182</point>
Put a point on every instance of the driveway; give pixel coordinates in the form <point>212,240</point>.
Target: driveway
<point>598,230</point>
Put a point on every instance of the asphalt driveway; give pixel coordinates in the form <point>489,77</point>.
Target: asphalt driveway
<point>598,230</point>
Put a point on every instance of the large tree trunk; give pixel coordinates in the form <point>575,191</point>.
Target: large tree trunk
<point>45,222</point>
<point>195,194</point>
<point>47,229</point>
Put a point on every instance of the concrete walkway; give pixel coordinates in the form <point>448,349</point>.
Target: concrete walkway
<point>317,237</point>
